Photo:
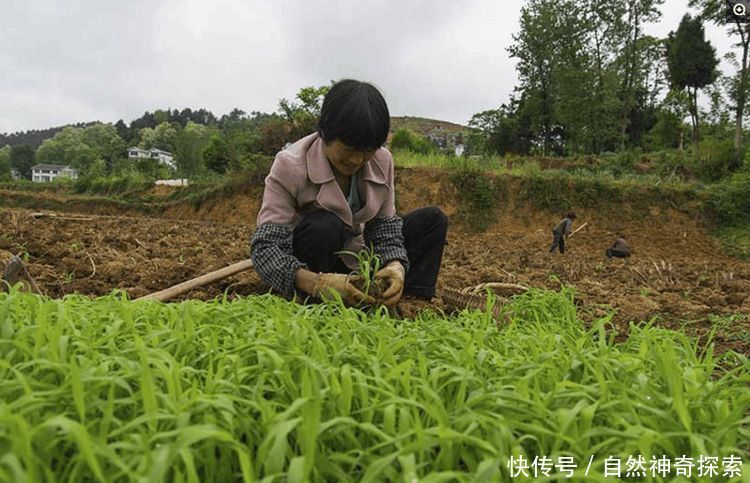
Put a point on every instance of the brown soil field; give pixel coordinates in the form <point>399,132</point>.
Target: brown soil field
<point>677,273</point>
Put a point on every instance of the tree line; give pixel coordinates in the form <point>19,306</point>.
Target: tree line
<point>202,143</point>
<point>590,80</point>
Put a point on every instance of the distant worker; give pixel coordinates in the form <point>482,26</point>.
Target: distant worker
<point>561,231</point>
<point>619,249</point>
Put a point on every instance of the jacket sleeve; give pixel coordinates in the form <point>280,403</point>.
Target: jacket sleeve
<point>385,231</point>
<point>271,243</point>
<point>271,252</point>
<point>279,198</point>
<point>385,234</point>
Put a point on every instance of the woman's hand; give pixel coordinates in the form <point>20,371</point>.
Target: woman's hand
<point>392,277</point>
<point>341,283</point>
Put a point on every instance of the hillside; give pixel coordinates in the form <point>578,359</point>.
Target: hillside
<point>425,126</point>
<point>34,137</point>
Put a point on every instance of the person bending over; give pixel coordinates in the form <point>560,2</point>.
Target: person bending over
<point>561,231</point>
<point>333,191</point>
<point>619,249</point>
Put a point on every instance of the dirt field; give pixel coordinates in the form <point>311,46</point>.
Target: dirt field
<point>677,272</point>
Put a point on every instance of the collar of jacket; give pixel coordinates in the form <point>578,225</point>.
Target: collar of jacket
<point>320,170</point>
<point>330,197</point>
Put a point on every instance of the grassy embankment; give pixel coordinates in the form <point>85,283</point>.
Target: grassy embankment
<point>588,182</point>
<point>552,184</point>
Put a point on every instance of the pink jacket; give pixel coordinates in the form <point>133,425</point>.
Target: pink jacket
<point>302,178</point>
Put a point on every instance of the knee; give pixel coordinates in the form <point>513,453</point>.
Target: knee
<point>437,218</point>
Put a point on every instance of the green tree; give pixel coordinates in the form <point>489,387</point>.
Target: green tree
<point>146,138</point>
<point>405,138</point>
<point>666,132</point>
<point>715,11</point>
<point>303,114</point>
<point>677,103</point>
<point>5,173</point>
<point>631,59</point>
<point>484,134</point>
<point>22,158</point>
<point>105,141</point>
<point>500,131</point>
<point>216,155</point>
<point>190,146</point>
<point>692,64</point>
<point>68,147</point>
<point>163,136</point>
<point>535,47</point>
<point>274,133</point>
<point>576,78</point>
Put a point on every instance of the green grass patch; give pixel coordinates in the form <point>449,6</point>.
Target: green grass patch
<point>480,195</point>
<point>403,158</point>
<point>114,390</point>
<point>735,239</point>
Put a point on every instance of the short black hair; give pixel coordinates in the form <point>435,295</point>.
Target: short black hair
<point>356,114</point>
<point>571,215</point>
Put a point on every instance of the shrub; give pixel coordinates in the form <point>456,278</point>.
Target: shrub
<point>250,163</point>
<point>123,184</point>
<point>715,160</point>
<point>479,193</point>
<point>546,192</point>
<point>729,201</point>
<point>622,162</point>
<point>405,138</point>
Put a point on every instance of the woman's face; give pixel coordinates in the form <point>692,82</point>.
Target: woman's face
<point>344,159</point>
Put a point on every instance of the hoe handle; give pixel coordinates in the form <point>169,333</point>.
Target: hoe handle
<point>205,279</point>
<point>579,229</point>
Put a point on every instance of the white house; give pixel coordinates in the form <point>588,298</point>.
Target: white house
<point>172,182</point>
<point>164,157</point>
<point>45,173</point>
<point>15,174</point>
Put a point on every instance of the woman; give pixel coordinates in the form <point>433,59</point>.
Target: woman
<point>333,191</point>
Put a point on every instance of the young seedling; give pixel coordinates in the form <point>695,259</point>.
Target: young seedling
<point>368,264</point>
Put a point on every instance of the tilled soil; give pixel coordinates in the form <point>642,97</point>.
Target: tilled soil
<point>677,273</point>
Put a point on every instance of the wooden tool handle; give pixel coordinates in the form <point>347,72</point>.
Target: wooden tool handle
<point>578,229</point>
<point>205,279</point>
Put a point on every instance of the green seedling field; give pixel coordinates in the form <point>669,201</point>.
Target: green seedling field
<point>262,389</point>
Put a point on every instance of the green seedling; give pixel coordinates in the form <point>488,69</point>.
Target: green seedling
<point>69,277</point>
<point>368,264</point>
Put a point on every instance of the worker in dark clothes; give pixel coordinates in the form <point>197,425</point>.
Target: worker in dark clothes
<point>619,249</point>
<point>561,231</point>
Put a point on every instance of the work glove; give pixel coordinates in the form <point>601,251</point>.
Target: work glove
<point>330,283</point>
<point>391,279</point>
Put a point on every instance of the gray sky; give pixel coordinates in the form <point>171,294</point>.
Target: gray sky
<point>65,61</point>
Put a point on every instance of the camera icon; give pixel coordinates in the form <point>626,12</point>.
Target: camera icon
<point>738,11</point>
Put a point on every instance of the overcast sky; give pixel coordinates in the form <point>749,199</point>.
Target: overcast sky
<point>65,61</point>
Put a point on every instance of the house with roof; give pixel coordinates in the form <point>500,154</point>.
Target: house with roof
<point>163,157</point>
<point>46,173</point>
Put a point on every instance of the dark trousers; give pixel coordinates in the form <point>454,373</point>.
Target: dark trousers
<point>320,234</point>
<point>558,241</point>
